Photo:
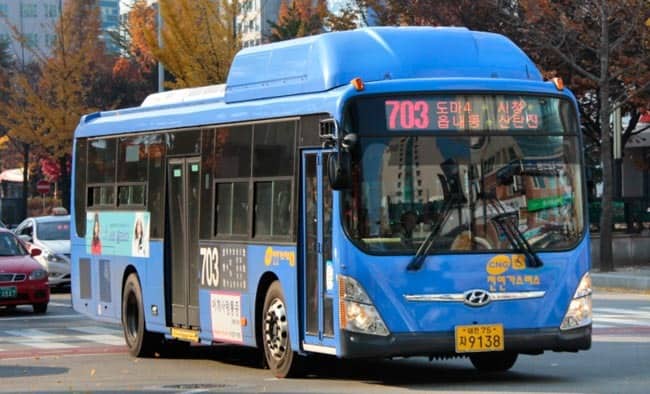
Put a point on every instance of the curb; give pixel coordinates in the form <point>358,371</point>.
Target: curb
<point>621,281</point>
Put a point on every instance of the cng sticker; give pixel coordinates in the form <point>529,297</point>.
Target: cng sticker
<point>498,264</point>
<point>518,262</point>
<point>275,257</point>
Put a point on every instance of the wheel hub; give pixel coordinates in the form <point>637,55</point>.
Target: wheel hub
<point>276,329</point>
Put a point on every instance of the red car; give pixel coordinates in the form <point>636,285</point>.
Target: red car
<point>23,281</point>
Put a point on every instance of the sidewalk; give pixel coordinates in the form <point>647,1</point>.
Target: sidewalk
<point>627,278</point>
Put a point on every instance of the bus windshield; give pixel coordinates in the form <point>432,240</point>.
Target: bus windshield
<point>464,187</point>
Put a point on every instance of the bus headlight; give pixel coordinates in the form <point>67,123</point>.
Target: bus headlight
<point>579,312</point>
<point>356,312</point>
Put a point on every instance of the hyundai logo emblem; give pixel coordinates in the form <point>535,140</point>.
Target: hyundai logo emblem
<point>476,297</point>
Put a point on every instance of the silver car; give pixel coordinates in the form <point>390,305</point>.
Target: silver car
<point>51,234</point>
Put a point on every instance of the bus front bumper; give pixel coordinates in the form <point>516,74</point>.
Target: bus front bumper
<point>533,341</point>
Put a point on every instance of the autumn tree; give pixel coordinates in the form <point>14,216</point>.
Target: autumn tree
<point>602,48</point>
<point>45,108</point>
<point>298,18</point>
<point>199,40</point>
<point>479,15</point>
<point>6,65</point>
<point>134,74</point>
<point>348,18</point>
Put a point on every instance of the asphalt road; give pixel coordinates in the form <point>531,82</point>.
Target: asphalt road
<point>62,352</point>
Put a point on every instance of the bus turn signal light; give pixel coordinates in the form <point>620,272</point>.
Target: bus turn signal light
<point>558,82</point>
<point>358,84</point>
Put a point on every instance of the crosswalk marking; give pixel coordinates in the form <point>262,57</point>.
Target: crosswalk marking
<point>613,317</point>
<point>615,311</point>
<point>66,338</point>
<point>47,344</point>
<point>46,317</point>
<point>66,304</point>
<point>97,330</point>
<point>32,333</point>
<point>104,339</point>
<point>621,338</point>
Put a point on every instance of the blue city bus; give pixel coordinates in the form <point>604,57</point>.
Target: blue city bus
<point>376,193</point>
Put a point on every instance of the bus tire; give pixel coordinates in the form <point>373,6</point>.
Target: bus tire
<point>279,356</point>
<point>140,342</point>
<point>493,362</point>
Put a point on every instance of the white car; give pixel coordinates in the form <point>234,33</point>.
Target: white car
<point>51,234</point>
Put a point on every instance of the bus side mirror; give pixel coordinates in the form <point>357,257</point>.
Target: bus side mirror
<point>339,170</point>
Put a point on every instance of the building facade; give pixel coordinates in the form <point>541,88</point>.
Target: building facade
<point>36,21</point>
<point>110,15</point>
<point>253,20</point>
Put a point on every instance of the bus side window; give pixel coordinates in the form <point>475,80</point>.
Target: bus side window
<point>281,207</point>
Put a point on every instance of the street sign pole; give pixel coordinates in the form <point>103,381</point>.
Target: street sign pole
<point>43,187</point>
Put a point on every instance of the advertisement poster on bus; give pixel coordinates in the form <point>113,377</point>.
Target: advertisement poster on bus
<point>225,308</point>
<point>118,233</point>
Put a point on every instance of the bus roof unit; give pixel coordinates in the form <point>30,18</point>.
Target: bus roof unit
<point>321,63</point>
<point>326,61</point>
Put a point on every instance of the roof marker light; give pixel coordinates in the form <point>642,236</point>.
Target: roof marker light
<point>358,84</point>
<point>558,82</point>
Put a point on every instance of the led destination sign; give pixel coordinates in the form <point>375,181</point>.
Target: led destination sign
<point>467,113</point>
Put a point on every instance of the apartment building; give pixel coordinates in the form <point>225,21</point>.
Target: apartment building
<point>36,21</point>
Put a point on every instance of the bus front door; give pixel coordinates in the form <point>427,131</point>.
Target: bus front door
<point>183,240</point>
<point>318,269</point>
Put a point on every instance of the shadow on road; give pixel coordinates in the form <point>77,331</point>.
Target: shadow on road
<point>415,372</point>
<point>411,373</point>
<point>18,371</point>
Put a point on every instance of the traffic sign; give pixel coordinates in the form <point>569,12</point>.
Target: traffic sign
<point>43,187</point>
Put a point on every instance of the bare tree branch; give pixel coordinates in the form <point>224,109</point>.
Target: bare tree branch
<point>628,95</point>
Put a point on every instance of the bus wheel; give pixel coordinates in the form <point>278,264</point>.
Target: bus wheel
<point>493,362</point>
<point>275,333</point>
<point>141,343</point>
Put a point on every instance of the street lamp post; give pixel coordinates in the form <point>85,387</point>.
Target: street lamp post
<point>161,68</point>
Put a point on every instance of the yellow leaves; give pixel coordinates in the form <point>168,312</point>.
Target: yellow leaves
<point>199,40</point>
<point>647,22</point>
<point>4,140</point>
<point>45,104</point>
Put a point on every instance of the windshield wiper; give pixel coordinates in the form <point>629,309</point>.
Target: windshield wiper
<point>504,221</point>
<point>425,247</point>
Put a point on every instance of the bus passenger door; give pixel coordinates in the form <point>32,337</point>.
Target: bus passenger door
<point>183,240</point>
<point>316,252</point>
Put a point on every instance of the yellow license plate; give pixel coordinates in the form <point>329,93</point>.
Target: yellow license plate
<point>479,338</point>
